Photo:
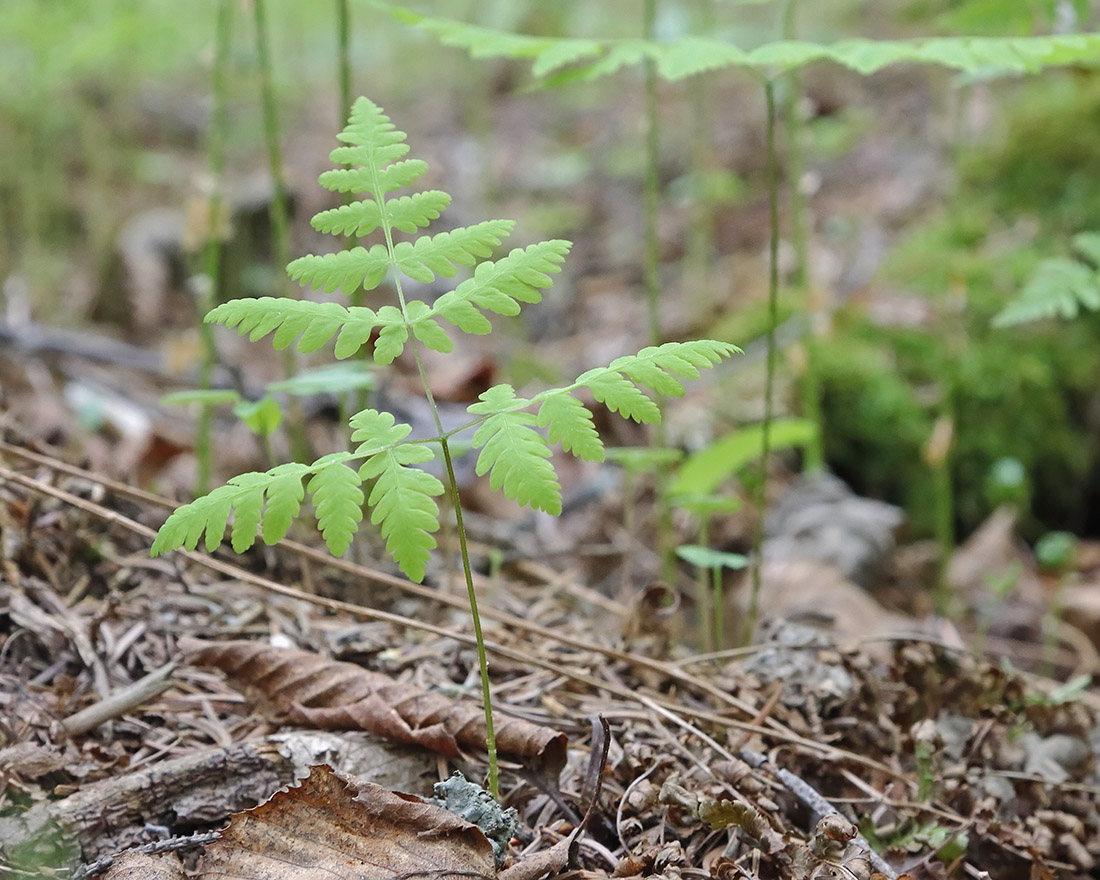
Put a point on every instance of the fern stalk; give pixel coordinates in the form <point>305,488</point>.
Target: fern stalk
<point>769,381</point>
<point>652,272</point>
<point>207,291</point>
<point>800,240</point>
<point>456,502</point>
<point>278,211</point>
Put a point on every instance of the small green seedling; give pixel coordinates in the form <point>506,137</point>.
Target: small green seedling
<point>705,507</point>
<point>715,560</point>
<point>509,437</point>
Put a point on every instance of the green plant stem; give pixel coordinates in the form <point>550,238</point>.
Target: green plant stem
<point>769,382</point>
<point>652,274</point>
<point>343,62</point>
<point>208,288</point>
<point>279,213</point>
<point>719,609</point>
<point>800,240</point>
<point>456,501</point>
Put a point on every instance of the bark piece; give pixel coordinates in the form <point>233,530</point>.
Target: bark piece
<point>107,816</point>
<point>299,687</point>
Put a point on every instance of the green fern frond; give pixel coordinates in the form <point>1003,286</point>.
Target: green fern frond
<point>346,270</point>
<point>569,422</point>
<point>444,252</point>
<point>502,285</point>
<point>373,141</point>
<point>401,499</point>
<point>1060,288</point>
<point>687,56</point>
<point>374,180</point>
<point>513,453</point>
<point>243,496</point>
<point>407,214</point>
<point>288,318</point>
<point>614,385</point>
<point>338,499</point>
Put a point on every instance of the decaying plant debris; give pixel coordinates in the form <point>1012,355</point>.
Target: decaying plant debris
<point>729,767</point>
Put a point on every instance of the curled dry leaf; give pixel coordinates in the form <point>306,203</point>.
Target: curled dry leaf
<point>303,688</point>
<point>329,827</point>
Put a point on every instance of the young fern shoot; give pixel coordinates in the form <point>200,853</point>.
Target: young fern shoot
<point>512,447</point>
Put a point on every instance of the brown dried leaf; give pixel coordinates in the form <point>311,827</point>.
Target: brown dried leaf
<point>133,865</point>
<point>303,688</point>
<point>322,829</point>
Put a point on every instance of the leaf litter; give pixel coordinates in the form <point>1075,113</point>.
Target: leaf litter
<point>796,758</point>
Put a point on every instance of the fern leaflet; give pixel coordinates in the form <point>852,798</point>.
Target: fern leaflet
<point>407,214</point>
<point>338,499</point>
<point>502,285</point>
<point>513,453</point>
<point>569,423</point>
<point>402,495</point>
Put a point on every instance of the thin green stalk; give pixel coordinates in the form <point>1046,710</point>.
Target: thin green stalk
<point>800,240</point>
<point>719,612</point>
<point>279,212</point>
<point>652,275</point>
<point>212,248</point>
<point>769,382</point>
<point>456,501</point>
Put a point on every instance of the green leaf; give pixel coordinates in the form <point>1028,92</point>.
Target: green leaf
<point>442,253</point>
<point>338,499</point>
<point>704,471</point>
<point>262,416</point>
<point>356,331</point>
<point>284,500</point>
<point>1088,245</point>
<point>373,141</point>
<point>513,453</point>
<point>335,379</point>
<point>346,271</point>
<point>407,213</point>
<point>620,395</point>
<point>502,285</point>
<point>690,55</point>
<point>401,497</point>
<point>1059,288</point>
<point>402,506</point>
<point>705,557</point>
<point>315,322</point>
<point>570,423</point>
<point>205,396</point>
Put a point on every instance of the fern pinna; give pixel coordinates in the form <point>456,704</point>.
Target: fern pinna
<point>512,446</point>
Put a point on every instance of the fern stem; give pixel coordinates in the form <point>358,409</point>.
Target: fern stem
<point>206,294</point>
<point>456,502</point>
<point>652,274</point>
<point>769,381</point>
<point>800,240</point>
<point>278,212</point>
<point>475,616</point>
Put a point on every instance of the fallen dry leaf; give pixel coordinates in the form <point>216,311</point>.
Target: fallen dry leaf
<point>303,688</point>
<point>335,828</point>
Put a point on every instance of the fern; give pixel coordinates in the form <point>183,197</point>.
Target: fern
<point>514,435</point>
<point>590,59</point>
<point>1061,287</point>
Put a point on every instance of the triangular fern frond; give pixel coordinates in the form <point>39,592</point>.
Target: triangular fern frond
<point>444,252</point>
<point>407,214</point>
<point>502,285</point>
<point>513,453</point>
<point>346,270</point>
<point>373,141</point>
<point>338,499</point>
